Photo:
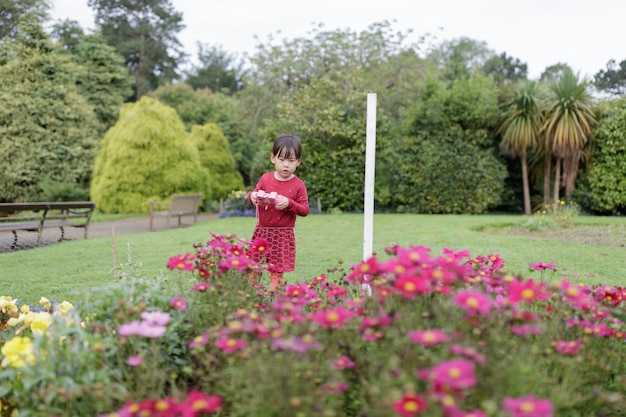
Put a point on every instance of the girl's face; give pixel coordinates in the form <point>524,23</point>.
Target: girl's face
<point>285,165</point>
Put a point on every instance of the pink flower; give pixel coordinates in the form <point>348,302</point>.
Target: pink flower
<point>528,407</point>
<point>155,318</point>
<point>410,286</point>
<point>343,362</point>
<point>456,374</point>
<point>428,337</point>
<point>409,405</point>
<point>542,266</point>
<point>201,287</point>
<point>181,262</point>
<point>135,360</point>
<point>473,302</point>
<point>199,341</point>
<point>178,303</point>
<point>526,291</point>
<point>259,245</point>
<point>143,328</point>
<point>334,317</point>
<point>571,347</point>
<point>199,402</point>
<point>525,330</point>
<point>230,345</point>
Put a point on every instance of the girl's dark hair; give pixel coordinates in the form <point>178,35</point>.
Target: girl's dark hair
<point>287,146</point>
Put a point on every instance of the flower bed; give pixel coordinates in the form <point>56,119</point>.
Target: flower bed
<point>404,334</point>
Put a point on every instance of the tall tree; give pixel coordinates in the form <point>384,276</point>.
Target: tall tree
<point>144,32</point>
<point>520,130</point>
<point>47,128</point>
<point>104,81</point>
<point>12,10</point>
<point>505,69</point>
<point>567,126</point>
<point>218,70</point>
<point>613,79</point>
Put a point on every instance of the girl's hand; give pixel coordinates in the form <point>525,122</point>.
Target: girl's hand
<point>253,196</point>
<point>282,202</point>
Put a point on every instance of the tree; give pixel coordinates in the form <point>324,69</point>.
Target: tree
<point>603,187</point>
<point>104,81</point>
<point>146,156</point>
<point>47,129</point>
<point>520,129</point>
<point>11,11</point>
<point>505,69</point>
<point>458,58</point>
<point>554,72</point>
<point>216,158</point>
<point>144,33</point>
<point>613,79</point>
<point>567,127</point>
<point>446,162</point>
<point>218,71</point>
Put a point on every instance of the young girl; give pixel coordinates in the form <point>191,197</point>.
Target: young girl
<point>280,196</point>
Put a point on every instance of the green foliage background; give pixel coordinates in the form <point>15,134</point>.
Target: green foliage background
<point>146,156</point>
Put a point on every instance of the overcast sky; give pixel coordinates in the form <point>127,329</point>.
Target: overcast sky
<point>584,34</point>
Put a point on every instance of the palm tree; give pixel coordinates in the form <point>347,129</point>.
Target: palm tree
<point>520,129</point>
<point>567,127</point>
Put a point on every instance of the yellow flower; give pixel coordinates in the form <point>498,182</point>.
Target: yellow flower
<point>8,303</point>
<point>41,322</point>
<point>18,352</point>
<point>45,303</point>
<point>64,307</point>
<point>25,308</point>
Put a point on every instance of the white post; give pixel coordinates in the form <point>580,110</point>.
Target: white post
<point>370,159</point>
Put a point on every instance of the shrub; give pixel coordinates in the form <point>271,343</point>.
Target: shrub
<point>146,156</point>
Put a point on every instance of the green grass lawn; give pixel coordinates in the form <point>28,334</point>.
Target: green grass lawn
<point>592,251</point>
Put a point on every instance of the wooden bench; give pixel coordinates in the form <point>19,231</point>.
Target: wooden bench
<point>181,205</point>
<point>35,216</point>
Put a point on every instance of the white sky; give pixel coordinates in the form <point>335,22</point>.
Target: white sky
<point>584,34</point>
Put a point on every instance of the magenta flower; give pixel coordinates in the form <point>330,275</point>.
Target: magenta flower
<point>528,407</point>
<point>201,287</point>
<point>410,286</point>
<point>334,317</point>
<point>567,347</point>
<point>135,360</point>
<point>199,341</point>
<point>143,328</point>
<point>409,405</point>
<point>428,337</point>
<point>230,345</point>
<point>473,302</point>
<point>296,344</point>
<point>542,266</point>
<point>343,362</point>
<point>457,374</point>
<point>129,329</point>
<point>337,387</point>
<point>527,291</point>
<point>178,303</point>
<point>181,262</point>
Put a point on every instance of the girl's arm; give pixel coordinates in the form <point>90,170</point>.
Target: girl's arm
<point>300,205</point>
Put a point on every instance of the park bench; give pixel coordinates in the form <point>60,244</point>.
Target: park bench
<point>181,205</point>
<point>36,216</point>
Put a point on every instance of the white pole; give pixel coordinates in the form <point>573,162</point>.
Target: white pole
<point>370,159</point>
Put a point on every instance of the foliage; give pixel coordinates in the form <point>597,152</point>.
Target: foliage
<point>447,162</point>
<point>144,33</point>
<point>505,69</point>
<point>561,214</point>
<point>199,107</point>
<point>48,131</point>
<point>446,334</point>
<point>11,11</point>
<point>612,80</point>
<point>60,191</point>
<point>603,187</point>
<point>217,71</point>
<point>104,81</point>
<point>215,157</point>
<point>146,156</point>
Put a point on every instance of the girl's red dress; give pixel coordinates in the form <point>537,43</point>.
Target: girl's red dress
<point>277,225</point>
